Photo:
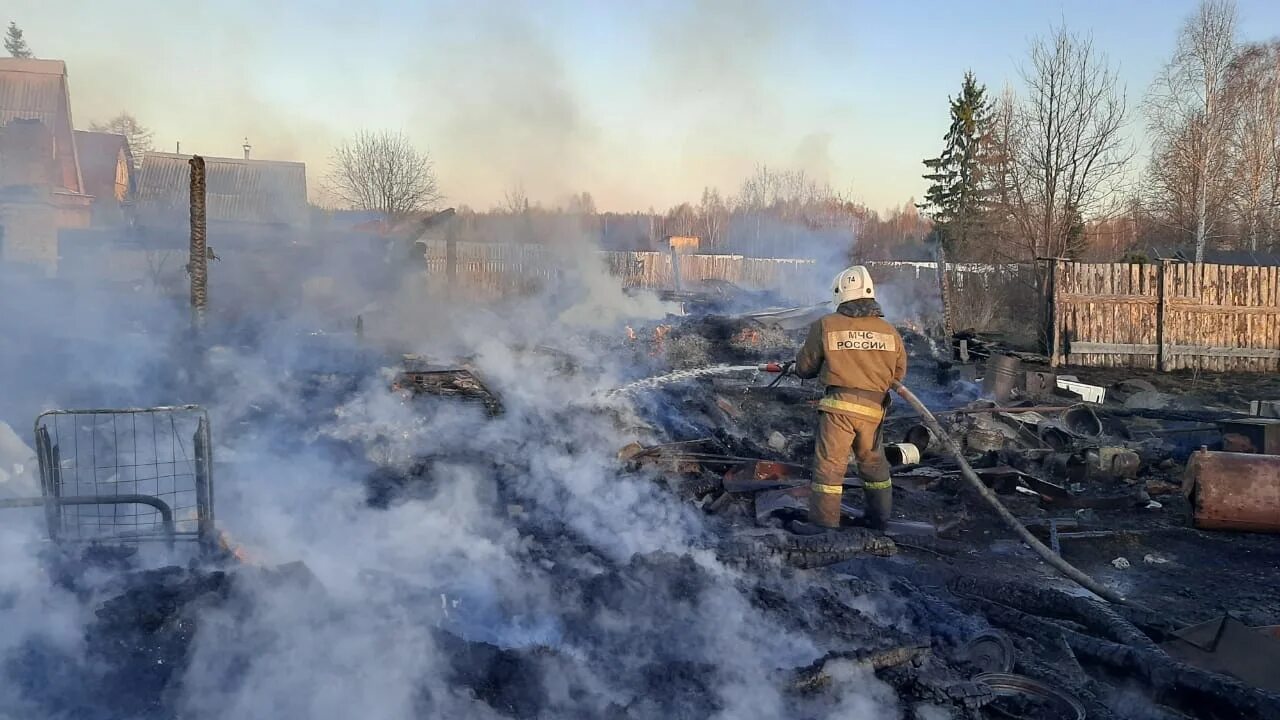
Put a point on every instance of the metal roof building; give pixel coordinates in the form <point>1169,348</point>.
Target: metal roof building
<point>37,90</point>
<point>253,192</point>
<point>106,164</point>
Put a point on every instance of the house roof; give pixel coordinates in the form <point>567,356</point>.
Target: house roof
<point>1219,257</point>
<point>99,155</point>
<point>251,191</point>
<point>38,90</point>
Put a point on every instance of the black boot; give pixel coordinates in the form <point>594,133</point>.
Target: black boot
<point>879,508</point>
<point>804,527</point>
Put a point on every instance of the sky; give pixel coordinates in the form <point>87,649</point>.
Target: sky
<point>641,103</point>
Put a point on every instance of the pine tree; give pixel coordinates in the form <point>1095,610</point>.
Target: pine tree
<point>14,42</point>
<point>956,199</point>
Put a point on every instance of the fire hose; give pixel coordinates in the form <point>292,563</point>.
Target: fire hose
<point>1047,554</point>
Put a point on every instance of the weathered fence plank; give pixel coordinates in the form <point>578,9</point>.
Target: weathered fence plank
<point>1221,318</point>
<point>1104,315</point>
<point>1171,316</point>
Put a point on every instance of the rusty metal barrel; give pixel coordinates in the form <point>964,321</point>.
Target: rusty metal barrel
<point>1234,491</point>
<point>920,436</point>
<point>1001,377</point>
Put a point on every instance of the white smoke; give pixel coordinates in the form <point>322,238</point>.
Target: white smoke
<point>464,550</point>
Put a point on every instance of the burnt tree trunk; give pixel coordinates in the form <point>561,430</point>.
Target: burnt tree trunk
<point>198,264</point>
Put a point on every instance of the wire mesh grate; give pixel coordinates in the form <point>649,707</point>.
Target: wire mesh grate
<point>161,453</point>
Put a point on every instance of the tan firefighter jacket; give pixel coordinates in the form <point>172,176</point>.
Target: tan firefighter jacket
<point>857,355</point>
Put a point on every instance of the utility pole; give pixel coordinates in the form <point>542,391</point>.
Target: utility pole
<point>198,264</point>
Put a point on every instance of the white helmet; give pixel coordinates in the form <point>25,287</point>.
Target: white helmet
<point>853,283</point>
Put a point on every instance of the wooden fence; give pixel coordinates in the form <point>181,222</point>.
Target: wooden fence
<point>657,270</point>
<point>1166,316</point>
<point>494,270</point>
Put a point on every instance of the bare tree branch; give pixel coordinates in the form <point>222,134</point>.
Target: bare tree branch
<point>1063,144</point>
<point>138,135</point>
<point>1188,113</point>
<point>383,172</point>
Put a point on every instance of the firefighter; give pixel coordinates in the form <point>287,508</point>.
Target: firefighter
<point>857,355</point>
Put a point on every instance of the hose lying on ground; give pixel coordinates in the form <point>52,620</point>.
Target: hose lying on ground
<point>1043,551</point>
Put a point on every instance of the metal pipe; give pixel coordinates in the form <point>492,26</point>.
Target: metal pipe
<point>1044,552</point>
<point>198,264</point>
<point>166,513</point>
<point>1032,409</point>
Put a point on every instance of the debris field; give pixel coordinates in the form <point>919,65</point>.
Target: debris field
<point>947,614</point>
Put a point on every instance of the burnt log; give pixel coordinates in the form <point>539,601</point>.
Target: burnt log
<point>805,551</point>
<point>1176,684</point>
<point>1098,618</point>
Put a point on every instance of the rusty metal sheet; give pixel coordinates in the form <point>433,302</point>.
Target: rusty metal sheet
<point>761,475</point>
<point>1234,491</point>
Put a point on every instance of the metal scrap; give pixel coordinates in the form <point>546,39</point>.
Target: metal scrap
<point>1251,435</point>
<point>1003,478</point>
<point>1227,645</point>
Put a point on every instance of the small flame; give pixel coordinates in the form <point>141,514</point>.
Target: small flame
<point>659,339</point>
<point>748,337</point>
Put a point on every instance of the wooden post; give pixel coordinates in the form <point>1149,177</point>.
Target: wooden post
<point>450,256</point>
<point>1057,267</point>
<point>944,286</point>
<point>1161,318</point>
<point>675,268</point>
<point>198,264</point>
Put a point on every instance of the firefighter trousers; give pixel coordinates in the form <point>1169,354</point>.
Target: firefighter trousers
<point>838,435</point>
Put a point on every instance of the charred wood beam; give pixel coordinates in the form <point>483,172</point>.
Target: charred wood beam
<point>198,263</point>
<point>1209,694</point>
<point>805,551</point>
<point>815,676</point>
<point>1097,617</point>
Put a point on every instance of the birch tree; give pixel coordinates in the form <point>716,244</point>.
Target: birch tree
<point>713,216</point>
<point>1254,143</point>
<point>1188,112</point>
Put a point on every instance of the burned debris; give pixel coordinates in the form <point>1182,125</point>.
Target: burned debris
<point>602,523</point>
<point>420,376</point>
<point>1105,474</point>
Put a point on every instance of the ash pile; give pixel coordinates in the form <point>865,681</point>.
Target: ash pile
<point>615,545</point>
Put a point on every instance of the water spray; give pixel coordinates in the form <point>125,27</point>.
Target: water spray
<point>679,376</point>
